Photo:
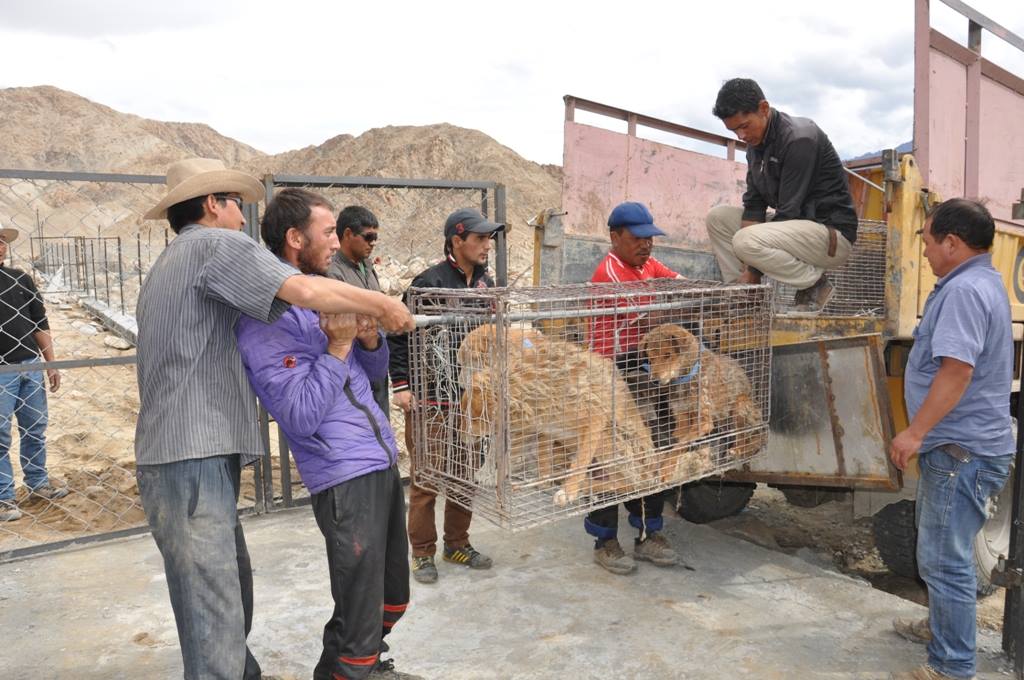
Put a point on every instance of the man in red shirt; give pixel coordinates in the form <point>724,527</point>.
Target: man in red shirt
<point>617,337</point>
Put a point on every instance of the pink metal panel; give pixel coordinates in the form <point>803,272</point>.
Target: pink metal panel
<point>602,168</point>
<point>1001,172</point>
<point>947,125</point>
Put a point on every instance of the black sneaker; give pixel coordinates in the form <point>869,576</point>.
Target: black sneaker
<point>424,570</point>
<point>467,556</point>
<point>385,669</point>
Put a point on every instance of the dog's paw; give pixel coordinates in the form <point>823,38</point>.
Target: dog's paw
<point>561,498</point>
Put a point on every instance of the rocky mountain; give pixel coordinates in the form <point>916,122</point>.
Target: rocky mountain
<point>45,128</point>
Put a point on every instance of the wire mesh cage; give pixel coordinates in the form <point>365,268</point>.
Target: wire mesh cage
<point>535,404</point>
<point>859,283</point>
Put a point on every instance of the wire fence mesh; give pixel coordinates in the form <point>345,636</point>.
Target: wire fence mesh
<point>83,252</point>
<point>541,403</point>
<point>859,283</point>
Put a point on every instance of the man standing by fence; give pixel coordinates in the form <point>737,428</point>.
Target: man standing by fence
<point>24,335</point>
<point>357,234</point>
<point>313,375</point>
<point>467,241</point>
<point>957,388</point>
<point>197,417</point>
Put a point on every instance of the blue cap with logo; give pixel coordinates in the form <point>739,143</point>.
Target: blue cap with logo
<point>635,217</point>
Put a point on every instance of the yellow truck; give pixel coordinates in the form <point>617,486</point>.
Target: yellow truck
<point>837,379</point>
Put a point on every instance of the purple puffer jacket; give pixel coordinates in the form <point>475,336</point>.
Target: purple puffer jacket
<point>324,405</point>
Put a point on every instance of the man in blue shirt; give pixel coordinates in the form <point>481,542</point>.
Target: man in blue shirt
<point>957,391</point>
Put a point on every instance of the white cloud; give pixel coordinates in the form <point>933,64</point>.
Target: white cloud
<point>281,76</point>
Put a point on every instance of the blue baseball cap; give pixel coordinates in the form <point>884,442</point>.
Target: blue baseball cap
<point>635,217</point>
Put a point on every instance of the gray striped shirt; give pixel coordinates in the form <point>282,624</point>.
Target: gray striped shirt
<point>195,399</point>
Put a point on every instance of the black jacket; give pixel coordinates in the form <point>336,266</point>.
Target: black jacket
<point>444,274</point>
<point>797,171</point>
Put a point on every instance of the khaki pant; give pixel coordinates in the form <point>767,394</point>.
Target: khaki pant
<point>794,252</point>
<point>422,530</point>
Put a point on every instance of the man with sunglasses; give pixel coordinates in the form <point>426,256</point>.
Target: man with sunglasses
<point>357,235</point>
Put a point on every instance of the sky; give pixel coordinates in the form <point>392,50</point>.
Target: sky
<point>284,75</point>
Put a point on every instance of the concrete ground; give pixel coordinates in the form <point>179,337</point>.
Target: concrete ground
<point>545,611</point>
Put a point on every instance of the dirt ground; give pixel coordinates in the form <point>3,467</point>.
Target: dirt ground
<point>829,534</point>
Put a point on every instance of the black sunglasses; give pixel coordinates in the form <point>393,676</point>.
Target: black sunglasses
<point>237,200</point>
<point>369,238</point>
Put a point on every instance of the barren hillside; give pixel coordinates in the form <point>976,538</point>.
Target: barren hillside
<point>45,128</point>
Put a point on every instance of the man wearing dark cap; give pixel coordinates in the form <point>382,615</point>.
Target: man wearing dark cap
<point>467,241</point>
<point>632,232</point>
<point>793,168</point>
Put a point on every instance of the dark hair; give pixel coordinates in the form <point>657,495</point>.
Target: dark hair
<point>969,220</point>
<point>180,215</point>
<point>291,207</point>
<point>739,95</point>
<point>356,218</point>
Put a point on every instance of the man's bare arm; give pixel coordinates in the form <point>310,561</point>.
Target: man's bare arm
<point>949,385</point>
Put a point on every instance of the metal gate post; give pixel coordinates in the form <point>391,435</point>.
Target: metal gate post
<point>1013,612</point>
<point>501,240</point>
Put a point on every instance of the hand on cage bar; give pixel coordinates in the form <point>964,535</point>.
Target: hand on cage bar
<point>341,330</point>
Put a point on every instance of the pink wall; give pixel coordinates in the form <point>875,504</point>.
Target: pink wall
<point>1001,172</point>
<point>602,168</point>
<point>947,122</point>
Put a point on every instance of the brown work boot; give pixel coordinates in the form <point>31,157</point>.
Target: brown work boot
<point>49,491</point>
<point>915,630</point>
<point>814,299</point>
<point>655,549</point>
<point>922,673</point>
<point>611,556</point>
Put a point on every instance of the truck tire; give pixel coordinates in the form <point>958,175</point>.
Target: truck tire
<point>810,496</point>
<point>706,501</point>
<point>896,538</point>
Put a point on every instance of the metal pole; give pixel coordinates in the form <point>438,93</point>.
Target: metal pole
<point>1013,611</point>
<point>120,274</point>
<point>106,270</point>
<point>501,240</point>
<point>138,249</point>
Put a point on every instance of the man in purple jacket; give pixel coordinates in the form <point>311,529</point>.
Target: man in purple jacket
<point>313,375</point>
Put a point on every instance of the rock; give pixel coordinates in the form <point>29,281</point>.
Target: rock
<point>86,328</point>
<point>116,342</point>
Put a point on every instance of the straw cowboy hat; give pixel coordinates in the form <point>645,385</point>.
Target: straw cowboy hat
<point>9,235</point>
<point>194,177</point>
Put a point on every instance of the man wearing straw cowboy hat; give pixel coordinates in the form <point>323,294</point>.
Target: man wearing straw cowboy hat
<point>24,335</point>
<point>197,417</point>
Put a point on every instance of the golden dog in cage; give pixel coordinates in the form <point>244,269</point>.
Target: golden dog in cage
<point>568,401</point>
<point>706,391</point>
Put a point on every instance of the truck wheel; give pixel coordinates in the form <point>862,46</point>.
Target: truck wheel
<point>706,501</point>
<point>896,538</point>
<point>810,496</point>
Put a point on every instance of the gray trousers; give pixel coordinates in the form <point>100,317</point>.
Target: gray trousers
<point>191,509</point>
<point>794,252</point>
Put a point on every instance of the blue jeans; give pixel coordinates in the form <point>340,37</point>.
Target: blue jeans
<point>23,396</point>
<point>191,508</point>
<point>952,499</point>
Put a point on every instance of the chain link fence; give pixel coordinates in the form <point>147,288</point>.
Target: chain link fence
<point>82,252</point>
<point>410,239</point>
